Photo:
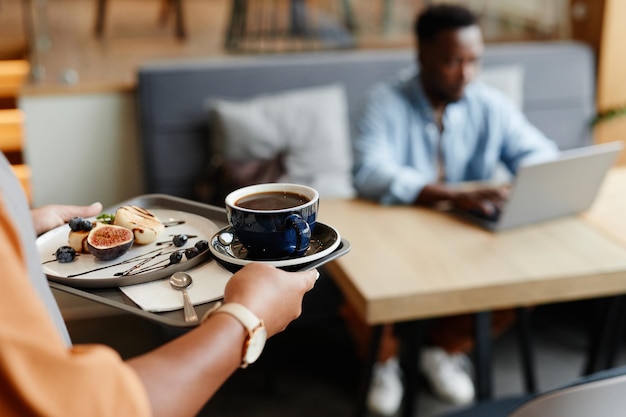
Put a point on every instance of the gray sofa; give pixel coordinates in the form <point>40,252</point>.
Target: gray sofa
<point>558,96</point>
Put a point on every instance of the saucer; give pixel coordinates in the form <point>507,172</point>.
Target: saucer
<point>225,246</point>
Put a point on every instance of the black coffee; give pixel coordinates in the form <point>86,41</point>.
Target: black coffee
<point>273,200</point>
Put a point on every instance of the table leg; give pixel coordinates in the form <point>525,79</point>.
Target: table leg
<point>618,335</point>
<point>386,23</point>
<point>29,28</point>
<point>599,335</point>
<point>181,33</point>
<point>527,352</point>
<point>298,18</point>
<point>602,336</point>
<point>35,41</point>
<point>483,355</point>
<point>236,32</point>
<point>366,378</point>
<point>100,16</point>
<point>348,14</point>
<point>411,334</point>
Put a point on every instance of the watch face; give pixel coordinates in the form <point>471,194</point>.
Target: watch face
<point>256,344</point>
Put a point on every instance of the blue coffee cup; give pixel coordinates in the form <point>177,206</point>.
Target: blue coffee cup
<point>273,220</point>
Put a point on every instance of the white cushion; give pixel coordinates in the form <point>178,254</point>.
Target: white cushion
<point>509,79</point>
<point>309,126</point>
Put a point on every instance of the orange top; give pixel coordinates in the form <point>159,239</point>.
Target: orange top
<point>39,373</point>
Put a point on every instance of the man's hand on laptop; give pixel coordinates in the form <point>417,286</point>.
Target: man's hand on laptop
<point>487,202</point>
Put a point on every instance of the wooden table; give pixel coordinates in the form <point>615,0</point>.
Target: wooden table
<point>411,263</point>
<point>609,210</point>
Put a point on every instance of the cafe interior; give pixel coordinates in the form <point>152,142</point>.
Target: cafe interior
<point>97,104</point>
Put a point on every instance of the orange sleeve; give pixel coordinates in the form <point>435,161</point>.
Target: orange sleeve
<point>39,374</point>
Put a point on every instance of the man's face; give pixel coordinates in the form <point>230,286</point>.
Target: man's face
<point>449,62</point>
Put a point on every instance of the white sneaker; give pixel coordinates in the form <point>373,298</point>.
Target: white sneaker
<point>386,389</point>
<point>448,375</point>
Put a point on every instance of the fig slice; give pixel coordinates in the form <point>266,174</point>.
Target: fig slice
<point>107,241</point>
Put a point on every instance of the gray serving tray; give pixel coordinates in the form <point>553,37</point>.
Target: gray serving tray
<point>114,297</point>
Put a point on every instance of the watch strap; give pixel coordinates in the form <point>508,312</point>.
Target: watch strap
<point>247,318</point>
<point>254,327</point>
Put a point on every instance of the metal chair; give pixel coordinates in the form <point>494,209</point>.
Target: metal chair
<point>599,394</point>
<point>271,25</point>
<point>166,7</point>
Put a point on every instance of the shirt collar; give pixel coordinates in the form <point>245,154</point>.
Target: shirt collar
<point>422,105</point>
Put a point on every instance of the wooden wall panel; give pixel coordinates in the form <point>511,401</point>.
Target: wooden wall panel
<point>611,83</point>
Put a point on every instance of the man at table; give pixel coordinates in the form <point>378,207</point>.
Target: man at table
<point>42,373</point>
<point>420,134</point>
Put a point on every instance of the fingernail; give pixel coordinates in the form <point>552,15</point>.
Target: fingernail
<point>318,275</point>
<point>96,203</point>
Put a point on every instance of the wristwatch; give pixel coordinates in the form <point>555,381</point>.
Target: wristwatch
<point>257,335</point>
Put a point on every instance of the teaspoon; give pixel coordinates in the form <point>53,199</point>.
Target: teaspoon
<point>181,281</point>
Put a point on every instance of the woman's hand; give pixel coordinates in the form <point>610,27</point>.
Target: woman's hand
<point>48,217</point>
<point>272,294</point>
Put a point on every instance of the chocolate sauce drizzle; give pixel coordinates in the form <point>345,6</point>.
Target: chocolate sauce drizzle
<point>143,261</point>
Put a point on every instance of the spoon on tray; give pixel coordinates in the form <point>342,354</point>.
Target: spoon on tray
<point>181,281</point>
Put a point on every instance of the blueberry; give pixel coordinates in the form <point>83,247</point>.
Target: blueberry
<point>180,240</point>
<point>202,245</point>
<point>65,254</point>
<point>78,224</point>
<point>176,257</point>
<point>85,225</point>
<point>75,223</point>
<point>192,252</point>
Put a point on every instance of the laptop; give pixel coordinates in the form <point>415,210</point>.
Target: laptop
<point>551,189</point>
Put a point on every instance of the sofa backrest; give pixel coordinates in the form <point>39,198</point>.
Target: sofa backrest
<point>558,95</point>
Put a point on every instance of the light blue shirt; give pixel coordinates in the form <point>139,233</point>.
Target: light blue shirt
<point>396,139</point>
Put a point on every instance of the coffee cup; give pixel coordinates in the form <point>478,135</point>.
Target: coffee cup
<point>273,220</point>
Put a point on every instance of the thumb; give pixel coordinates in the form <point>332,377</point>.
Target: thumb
<point>81,211</point>
<point>310,278</point>
<point>94,208</point>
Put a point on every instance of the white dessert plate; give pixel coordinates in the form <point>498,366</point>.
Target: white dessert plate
<point>225,246</point>
<point>142,263</point>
